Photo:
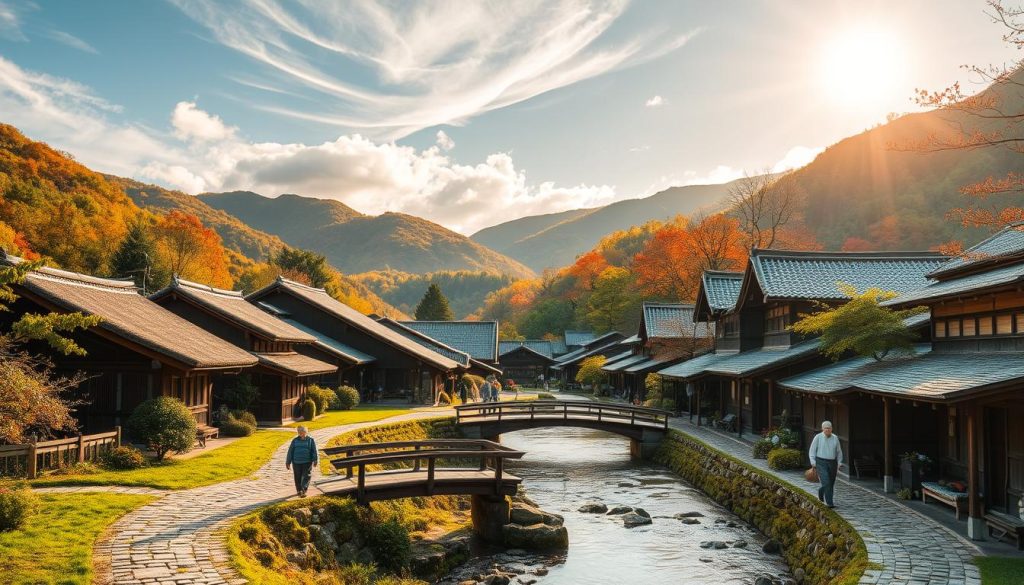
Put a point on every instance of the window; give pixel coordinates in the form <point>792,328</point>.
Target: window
<point>985,325</point>
<point>777,319</point>
<point>953,327</point>
<point>940,329</point>
<point>731,326</point>
<point>1020,322</point>
<point>969,328</point>
<point>1004,324</point>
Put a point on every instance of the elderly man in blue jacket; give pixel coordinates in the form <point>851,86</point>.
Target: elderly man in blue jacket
<point>302,456</point>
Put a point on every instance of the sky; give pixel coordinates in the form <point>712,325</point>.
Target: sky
<point>470,113</point>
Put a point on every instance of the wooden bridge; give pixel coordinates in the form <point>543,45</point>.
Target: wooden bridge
<point>645,427</point>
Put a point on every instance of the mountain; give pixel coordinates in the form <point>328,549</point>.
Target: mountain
<point>465,290</point>
<point>354,242</point>
<point>554,240</point>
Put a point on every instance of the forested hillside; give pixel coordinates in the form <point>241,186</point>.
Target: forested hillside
<point>466,291</point>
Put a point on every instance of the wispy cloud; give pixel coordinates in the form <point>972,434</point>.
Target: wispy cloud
<point>655,101</point>
<point>489,55</point>
<point>11,22</point>
<point>71,41</point>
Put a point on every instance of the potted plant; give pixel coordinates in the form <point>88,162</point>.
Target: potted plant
<point>914,467</point>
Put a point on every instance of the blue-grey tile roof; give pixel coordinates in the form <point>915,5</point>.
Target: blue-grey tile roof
<point>477,338</point>
<point>460,357</point>
<point>671,321</point>
<point>579,338</point>
<point>558,347</point>
<point>541,346</point>
<point>816,275</point>
<point>331,345</point>
<point>1007,242</point>
<point>750,362</point>
<point>527,349</point>
<point>618,356</point>
<point>585,352</point>
<point>942,375</point>
<point>624,363</point>
<point>630,340</point>
<point>841,376</point>
<point>721,289</point>
<point>695,367</point>
<point>647,365</point>
<point>1001,276</point>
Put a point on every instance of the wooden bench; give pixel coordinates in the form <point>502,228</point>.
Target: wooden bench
<point>1005,525</point>
<point>957,500</point>
<point>727,422</point>
<point>204,432</point>
<point>865,465</point>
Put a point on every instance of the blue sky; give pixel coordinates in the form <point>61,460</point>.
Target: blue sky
<point>469,113</point>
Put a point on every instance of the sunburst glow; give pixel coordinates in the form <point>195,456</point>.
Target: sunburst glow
<point>863,67</point>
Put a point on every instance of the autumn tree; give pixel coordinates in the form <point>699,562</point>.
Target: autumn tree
<point>614,304</point>
<point>764,205</point>
<point>434,306</point>
<point>591,374</point>
<point>190,250</point>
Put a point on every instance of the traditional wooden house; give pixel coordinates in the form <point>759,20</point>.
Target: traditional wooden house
<point>526,362</point>
<point>138,351</point>
<point>605,345</point>
<point>400,367</point>
<point>960,400</point>
<point>754,346</point>
<point>478,339</point>
<point>577,339</point>
<point>466,362</point>
<point>282,374</point>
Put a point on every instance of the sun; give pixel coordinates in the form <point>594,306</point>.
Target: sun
<point>863,67</point>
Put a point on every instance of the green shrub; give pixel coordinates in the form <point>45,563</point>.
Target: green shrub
<point>165,424</point>
<point>391,547</point>
<point>246,417</point>
<point>17,503</point>
<point>242,394</point>
<point>668,404</point>
<point>783,459</point>
<point>905,494</point>
<point>356,574</point>
<point>76,468</point>
<point>233,427</point>
<point>308,409</point>
<point>348,397</point>
<point>762,447</point>
<point>545,396</point>
<point>123,458</point>
<point>321,396</point>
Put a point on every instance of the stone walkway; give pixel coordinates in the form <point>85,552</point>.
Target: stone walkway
<point>910,548</point>
<point>175,539</point>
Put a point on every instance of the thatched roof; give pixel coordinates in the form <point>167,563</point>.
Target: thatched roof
<point>132,317</point>
<point>295,364</point>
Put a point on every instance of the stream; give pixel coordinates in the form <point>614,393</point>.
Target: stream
<point>567,467</point>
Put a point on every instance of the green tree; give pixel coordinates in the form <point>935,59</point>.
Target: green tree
<point>550,316</point>
<point>309,264</point>
<point>614,304</point>
<point>591,373</point>
<point>135,257</point>
<point>508,332</point>
<point>434,306</point>
<point>861,325</point>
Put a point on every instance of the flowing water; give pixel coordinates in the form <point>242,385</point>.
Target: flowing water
<point>565,468</point>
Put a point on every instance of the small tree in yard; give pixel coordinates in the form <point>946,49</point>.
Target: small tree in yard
<point>653,386</point>
<point>591,373</point>
<point>861,325</point>
<point>165,424</point>
<point>434,306</point>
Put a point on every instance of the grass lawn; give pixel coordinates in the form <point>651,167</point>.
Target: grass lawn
<point>361,413</point>
<point>1000,570</point>
<point>56,544</point>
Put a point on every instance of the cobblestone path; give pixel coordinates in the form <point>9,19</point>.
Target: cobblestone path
<point>175,539</point>
<point>910,548</point>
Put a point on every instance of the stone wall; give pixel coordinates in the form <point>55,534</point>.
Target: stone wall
<point>820,547</point>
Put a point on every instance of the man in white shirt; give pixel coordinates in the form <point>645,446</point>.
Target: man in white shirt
<point>827,458</point>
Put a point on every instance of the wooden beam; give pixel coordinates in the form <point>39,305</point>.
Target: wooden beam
<point>975,511</point>
<point>888,483</point>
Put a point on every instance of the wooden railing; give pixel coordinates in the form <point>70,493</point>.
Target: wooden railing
<point>33,458</point>
<point>564,409</point>
<point>397,460</point>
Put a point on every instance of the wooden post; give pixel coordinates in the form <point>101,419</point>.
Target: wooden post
<point>700,390</point>
<point>771,403</point>
<point>430,475</point>
<point>888,480</point>
<point>30,462</point>
<point>81,449</point>
<point>975,514</point>
<point>117,441</point>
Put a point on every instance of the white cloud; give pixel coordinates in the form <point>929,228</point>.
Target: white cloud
<point>491,55</point>
<point>71,41</point>
<point>655,101</point>
<point>191,123</point>
<point>445,141</point>
<point>719,174</point>
<point>797,157</point>
<point>10,22</point>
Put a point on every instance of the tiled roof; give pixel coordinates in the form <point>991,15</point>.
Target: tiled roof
<point>484,366</point>
<point>618,356</point>
<point>477,338</point>
<point>333,346</point>
<point>671,321</point>
<point>428,342</point>
<point>584,352</point>
<point>541,346</point>
<point>133,317</point>
<point>578,338</point>
<point>1001,276</point>
<point>630,340</point>
<point>942,375</point>
<point>1007,242</point>
<point>231,306</point>
<point>695,367</point>
<point>319,298</point>
<point>527,349</point>
<point>745,363</point>
<point>648,365</point>
<point>295,364</point>
<point>622,364</point>
<point>720,289</point>
<point>815,275</point>
<point>558,347</point>
<point>840,376</point>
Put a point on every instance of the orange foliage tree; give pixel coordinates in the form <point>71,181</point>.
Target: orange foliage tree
<point>190,250</point>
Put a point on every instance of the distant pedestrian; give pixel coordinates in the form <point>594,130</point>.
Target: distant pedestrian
<point>302,456</point>
<point>827,459</point>
<point>463,390</point>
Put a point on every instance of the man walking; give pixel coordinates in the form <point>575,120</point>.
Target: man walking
<point>827,458</point>
<point>302,456</point>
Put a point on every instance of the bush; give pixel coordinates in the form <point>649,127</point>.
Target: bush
<point>781,437</point>
<point>783,459</point>
<point>308,410</point>
<point>762,447</point>
<point>323,397</point>
<point>245,416</point>
<point>17,503</point>
<point>389,542</point>
<point>443,398</point>
<point>347,397</point>
<point>165,424</point>
<point>233,427</point>
<point>242,394</point>
<point>905,494</point>
<point>545,396</point>
<point>124,458</point>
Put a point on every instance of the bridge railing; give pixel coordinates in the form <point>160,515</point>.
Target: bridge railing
<point>399,457</point>
<point>566,409</point>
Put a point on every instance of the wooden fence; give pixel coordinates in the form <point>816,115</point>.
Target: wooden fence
<point>30,460</point>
